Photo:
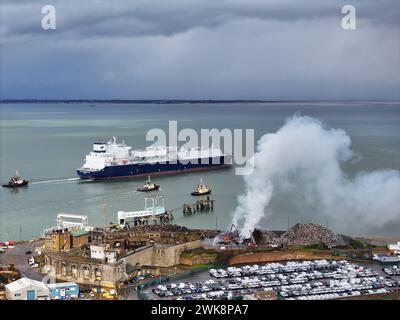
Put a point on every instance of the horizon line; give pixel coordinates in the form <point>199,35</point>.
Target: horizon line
<point>168,101</point>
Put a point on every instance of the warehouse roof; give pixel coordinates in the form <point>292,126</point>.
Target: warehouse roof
<point>23,283</point>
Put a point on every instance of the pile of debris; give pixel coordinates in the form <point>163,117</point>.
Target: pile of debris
<point>310,233</point>
<point>301,234</point>
<point>266,237</point>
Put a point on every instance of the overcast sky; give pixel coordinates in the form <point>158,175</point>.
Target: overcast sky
<point>200,49</point>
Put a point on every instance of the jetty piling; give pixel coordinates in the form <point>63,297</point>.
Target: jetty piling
<point>204,205</point>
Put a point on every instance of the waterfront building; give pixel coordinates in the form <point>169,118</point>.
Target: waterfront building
<point>26,289</point>
<point>80,238</point>
<point>61,240</point>
<point>58,240</point>
<point>86,271</point>
<point>101,252</point>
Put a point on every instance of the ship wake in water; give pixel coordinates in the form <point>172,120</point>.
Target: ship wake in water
<point>302,161</point>
<point>56,181</point>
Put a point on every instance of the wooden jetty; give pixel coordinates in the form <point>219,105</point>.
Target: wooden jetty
<point>204,205</point>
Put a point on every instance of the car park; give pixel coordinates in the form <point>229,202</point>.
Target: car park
<point>304,280</point>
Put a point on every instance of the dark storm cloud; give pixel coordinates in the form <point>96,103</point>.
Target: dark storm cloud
<point>195,49</point>
<point>167,17</point>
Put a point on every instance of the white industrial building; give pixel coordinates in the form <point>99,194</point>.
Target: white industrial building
<point>26,289</point>
<point>102,253</point>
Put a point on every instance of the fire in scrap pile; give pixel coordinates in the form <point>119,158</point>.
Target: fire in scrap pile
<point>233,237</point>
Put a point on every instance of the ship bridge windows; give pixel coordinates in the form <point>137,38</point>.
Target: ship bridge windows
<point>99,147</point>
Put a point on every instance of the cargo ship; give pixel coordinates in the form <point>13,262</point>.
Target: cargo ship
<point>110,160</point>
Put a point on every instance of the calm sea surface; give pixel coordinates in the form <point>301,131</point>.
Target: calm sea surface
<point>48,142</point>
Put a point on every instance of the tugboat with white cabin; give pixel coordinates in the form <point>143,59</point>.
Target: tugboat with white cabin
<point>201,189</point>
<point>16,182</point>
<point>149,186</point>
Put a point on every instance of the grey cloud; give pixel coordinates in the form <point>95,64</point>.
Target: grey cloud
<point>120,18</point>
<point>218,49</point>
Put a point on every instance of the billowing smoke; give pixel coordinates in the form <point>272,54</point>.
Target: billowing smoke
<point>303,160</point>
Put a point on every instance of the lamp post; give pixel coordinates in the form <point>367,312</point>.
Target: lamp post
<point>174,271</point>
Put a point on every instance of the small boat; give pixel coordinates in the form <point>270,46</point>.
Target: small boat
<point>149,186</point>
<point>16,182</point>
<point>201,189</point>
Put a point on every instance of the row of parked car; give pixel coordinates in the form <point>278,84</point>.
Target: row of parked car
<point>6,245</point>
<point>173,289</point>
<point>319,279</point>
<point>340,288</point>
<point>329,296</point>
<point>393,271</point>
<point>277,268</point>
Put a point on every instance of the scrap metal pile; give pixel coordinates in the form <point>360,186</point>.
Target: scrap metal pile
<point>309,233</point>
<point>300,234</point>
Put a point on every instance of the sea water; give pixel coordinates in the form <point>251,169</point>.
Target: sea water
<point>47,142</point>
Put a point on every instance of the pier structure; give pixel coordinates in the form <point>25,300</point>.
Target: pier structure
<point>203,205</point>
<point>70,221</point>
<point>62,221</point>
<point>154,210</point>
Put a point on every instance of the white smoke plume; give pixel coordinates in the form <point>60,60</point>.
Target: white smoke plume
<point>303,159</point>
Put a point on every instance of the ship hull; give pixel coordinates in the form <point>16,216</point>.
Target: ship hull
<point>145,169</point>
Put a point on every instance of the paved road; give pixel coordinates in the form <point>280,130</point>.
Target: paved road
<point>18,257</point>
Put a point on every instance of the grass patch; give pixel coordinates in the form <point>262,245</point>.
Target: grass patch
<point>204,254</point>
<point>199,266</point>
<point>187,254</point>
<point>209,255</point>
